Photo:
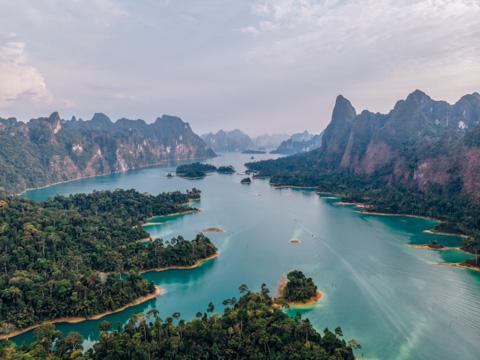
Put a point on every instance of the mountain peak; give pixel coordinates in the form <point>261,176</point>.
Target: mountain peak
<point>54,117</point>
<point>101,118</point>
<point>418,96</point>
<point>343,109</point>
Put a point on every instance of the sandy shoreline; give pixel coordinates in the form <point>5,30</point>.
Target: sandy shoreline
<point>74,320</point>
<point>294,187</point>
<point>295,304</point>
<point>459,265</point>
<point>434,232</point>
<point>400,215</point>
<point>213,229</point>
<point>356,204</point>
<point>181,267</point>
<point>428,247</point>
<point>309,303</point>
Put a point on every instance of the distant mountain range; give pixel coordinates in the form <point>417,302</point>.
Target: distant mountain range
<point>236,140</point>
<point>300,142</point>
<point>423,157</point>
<point>49,149</point>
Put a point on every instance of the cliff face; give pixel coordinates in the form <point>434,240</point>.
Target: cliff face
<point>48,150</point>
<point>421,142</point>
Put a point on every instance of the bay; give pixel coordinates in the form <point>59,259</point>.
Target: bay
<point>393,299</point>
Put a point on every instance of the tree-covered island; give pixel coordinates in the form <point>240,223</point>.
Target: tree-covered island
<point>198,170</point>
<point>61,258</point>
<point>249,328</point>
<point>296,289</point>
<point>227,170</point>
<point>195,170</point>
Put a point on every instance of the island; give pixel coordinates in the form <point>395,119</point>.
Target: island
<point>61,258</point>
<point>213,229</point>
<point>297,290</point>
<point>227,170</point>
<point>252,151</point>
<point>249,327</point>
<point>195,170</point>
<point>198,170</point>
<point>246,181</point>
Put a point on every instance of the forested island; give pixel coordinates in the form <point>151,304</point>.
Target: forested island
<point>227,170</point>
<point>297,289</point>
<point>249,328</point>
<point>195,170</point>
<point>251,151</point>
<point>61,258</point>
<point>198,170</point>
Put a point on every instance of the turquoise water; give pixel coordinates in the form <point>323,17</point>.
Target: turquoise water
<point>391,298</point>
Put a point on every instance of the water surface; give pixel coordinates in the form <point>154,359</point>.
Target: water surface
<point>391,298</point>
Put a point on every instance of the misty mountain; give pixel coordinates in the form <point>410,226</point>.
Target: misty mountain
<point>300,142</point>
<point>269,141</point>
<point>227,141</point>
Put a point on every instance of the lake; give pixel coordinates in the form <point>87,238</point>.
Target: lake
<point>394,300</point>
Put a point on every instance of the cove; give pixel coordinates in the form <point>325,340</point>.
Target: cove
<point>393,299</point>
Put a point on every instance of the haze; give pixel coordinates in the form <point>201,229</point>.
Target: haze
<point>259,65</point>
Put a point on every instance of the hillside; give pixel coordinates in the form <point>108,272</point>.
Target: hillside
<point>422,157</point>
<point>49,150</point>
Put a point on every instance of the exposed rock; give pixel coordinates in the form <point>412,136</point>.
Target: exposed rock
<point>49,150</point>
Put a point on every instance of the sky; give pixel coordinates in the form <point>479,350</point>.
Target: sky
<point>263,66</point>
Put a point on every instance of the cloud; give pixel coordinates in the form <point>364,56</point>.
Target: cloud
<point>18,76</point>
<point>249,30</point>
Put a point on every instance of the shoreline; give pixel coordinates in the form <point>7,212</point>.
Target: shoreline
<point>311,302</point>
<point>428,247</point>
<point>213,230</point>
<point>294,187</point>
<point>78,319</point>
<point>401,215</point>
<point>355,204</point>
<point>157,164</point>
<point>459,265</point>
<point>434,232</point>
<point>148,223</point>
<point>183,267</point>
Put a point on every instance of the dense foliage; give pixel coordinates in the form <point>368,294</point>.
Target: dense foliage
<point>249,328</point>
<point>199,170</point>
<point>226,170</point>
<point>251,151</point>
<point>459,212</point>
<point>48,150</point>
<point>298,287</point>
<point>195,170</point>
<point>53,254</point>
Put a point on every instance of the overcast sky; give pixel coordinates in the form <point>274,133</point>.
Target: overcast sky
<point>258,65</point>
